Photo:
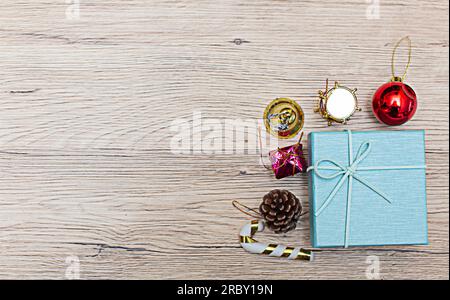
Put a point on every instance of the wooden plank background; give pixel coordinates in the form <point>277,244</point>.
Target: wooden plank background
<point>86,167</point>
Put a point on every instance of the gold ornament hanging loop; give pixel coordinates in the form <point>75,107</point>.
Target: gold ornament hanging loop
<point>394,52</point>
<point>246,210</point>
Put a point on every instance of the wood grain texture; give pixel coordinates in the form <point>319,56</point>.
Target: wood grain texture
<point>86,167</point>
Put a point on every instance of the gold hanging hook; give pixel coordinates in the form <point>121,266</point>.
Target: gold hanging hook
<point>408,40</point>
<point>261,159</point>
<point>301,138</point>
<point>246,210</point>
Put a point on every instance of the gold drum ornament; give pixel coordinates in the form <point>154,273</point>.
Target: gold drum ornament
<point>337,104</point>
<point>283,118</point>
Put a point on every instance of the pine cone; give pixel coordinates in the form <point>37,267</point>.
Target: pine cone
<point>281,210</point>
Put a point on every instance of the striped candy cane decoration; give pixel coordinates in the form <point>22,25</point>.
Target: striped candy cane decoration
<point>253,246</point>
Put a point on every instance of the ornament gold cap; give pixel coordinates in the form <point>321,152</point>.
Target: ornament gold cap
<point>396,79</point>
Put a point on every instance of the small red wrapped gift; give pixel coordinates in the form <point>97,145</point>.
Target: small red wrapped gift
<point>288,161</point>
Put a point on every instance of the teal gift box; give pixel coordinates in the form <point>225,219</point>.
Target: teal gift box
<point>367,188</point>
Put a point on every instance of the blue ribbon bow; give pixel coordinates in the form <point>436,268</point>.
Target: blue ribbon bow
<point>350,172</point>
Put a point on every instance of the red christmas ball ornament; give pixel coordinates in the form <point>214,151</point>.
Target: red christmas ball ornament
<point>394,103</point>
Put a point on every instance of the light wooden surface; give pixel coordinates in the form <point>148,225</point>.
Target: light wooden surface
<point>86,167</point>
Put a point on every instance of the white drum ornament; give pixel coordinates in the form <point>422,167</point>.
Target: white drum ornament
<point>338,104</point>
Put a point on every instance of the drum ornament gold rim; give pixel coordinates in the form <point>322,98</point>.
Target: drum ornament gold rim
<point>323,98</point>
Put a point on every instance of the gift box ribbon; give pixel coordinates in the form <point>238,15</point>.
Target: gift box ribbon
<point>351,172</point>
